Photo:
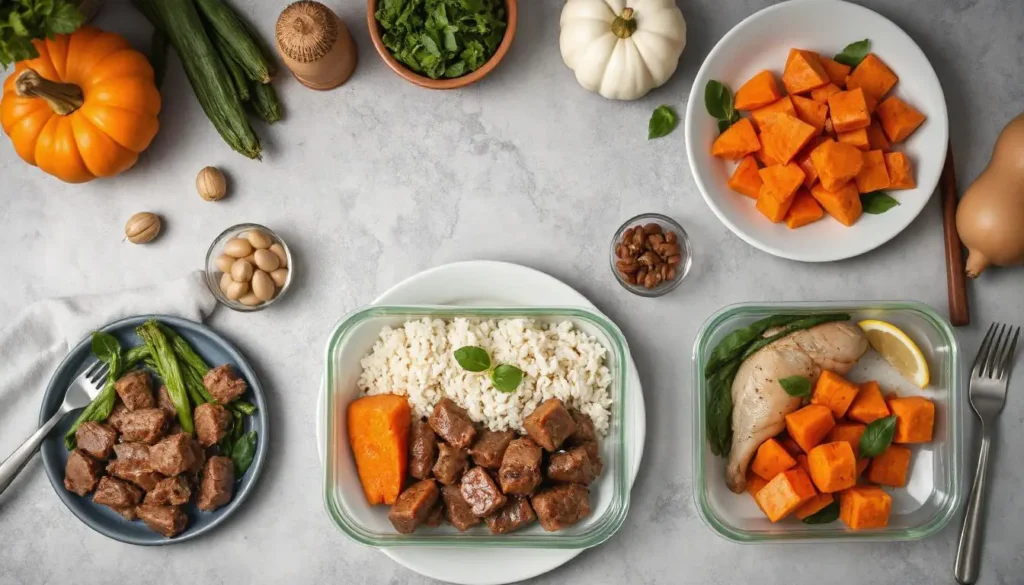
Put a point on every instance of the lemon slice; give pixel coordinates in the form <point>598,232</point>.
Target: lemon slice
<point>898,349</point>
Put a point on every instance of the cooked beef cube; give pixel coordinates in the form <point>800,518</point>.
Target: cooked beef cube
<point>480,492</point>
<point>224,384</point>
<point>117,494</point>
<point>135,390</point>
<point>413,506</point>
<point>96,439</point>
<point>515,514</point>
<point>132,464</point>
<point>490,447</point>
<point>145,425</point>
<point>520,467</point>
<point>561,505</point>
<point>165,520</point>
<point>584,429</point>
<point>212,423</point>
<point>82,472</point>
<point>550,424</point>
<point>456,510</point>
<point>173,491</point>
<point>451,463</point>
<point>117,416</point>
<point>436,515</point>
<point>452,424</point>
<point>594,453</point>
<point>217,485</point>
<point>172,455</point>
<point>422,449</point>
<point>200,458</point>
<point>572,466</point>
<point>164,403</point>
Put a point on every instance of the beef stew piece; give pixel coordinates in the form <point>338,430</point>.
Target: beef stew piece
<point>164,403</point>
<point>135,390</point>
<point>584,432</point>
<point>212,423</point>
<point>515,514</point>
<point>166,520</point>
<point>422,449</point>
<point>489,447</point>
<point>572,466</point>
<point>550,424</point>
<point>173,491</point>
<point>224,384</point>
<point>520,471</point>
<point>561,506</point>
<point>413,506</point>
<point>117,494</point>
<point>117,416</point>
<point>145,425</point>
<point>96,439</point>
<point>436,515</point>
<point>82,473</point>
<point>451,463</point>
<point>173,455</point>
<point>132,464</point>
<point>456,510</point>
<point>480,492</point>
<point>217,484</point>
<point>452,423</point>
<point>594,453</point>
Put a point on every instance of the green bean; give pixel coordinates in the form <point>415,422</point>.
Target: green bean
<point>170,370</point>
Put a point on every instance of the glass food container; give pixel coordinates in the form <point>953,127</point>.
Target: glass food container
<point>346,505</point>
<point>932,494</point>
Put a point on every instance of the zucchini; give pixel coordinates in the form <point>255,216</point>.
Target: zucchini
<point>237,75</point>
<point>158,46</point>
<point>210,78</point>
<point>237,39</point>
<point>265,103</point>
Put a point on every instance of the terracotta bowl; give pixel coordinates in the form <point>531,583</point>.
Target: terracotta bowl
<point>511,10</point>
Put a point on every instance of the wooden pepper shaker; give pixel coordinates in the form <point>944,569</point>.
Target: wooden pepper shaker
<point>315,45</point>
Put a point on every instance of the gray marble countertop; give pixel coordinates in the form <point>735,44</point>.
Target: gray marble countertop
<point>377,180</point>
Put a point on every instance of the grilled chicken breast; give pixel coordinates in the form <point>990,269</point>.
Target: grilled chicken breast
<point>760,405</point>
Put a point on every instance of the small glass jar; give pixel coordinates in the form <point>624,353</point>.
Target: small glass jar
<point>667,224</point>
<point>213,273</point>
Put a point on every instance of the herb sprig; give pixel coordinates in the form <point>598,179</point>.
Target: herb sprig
<point>505,377</point>
<point>24,20</point>
<point>854,53</point>
<point>718,102</point>
<point>877,202</point>
<point>663,122</point>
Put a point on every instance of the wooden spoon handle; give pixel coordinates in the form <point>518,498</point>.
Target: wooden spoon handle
<point>959,313</point>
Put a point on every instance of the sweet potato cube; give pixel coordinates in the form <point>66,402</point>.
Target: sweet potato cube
<point>901,173</point>
<point>836,163</point>
<point>747,181</point>
<point>862,464</point>
<point>849,110</point>
<point>873,76</point>
<point>761,116</point>
<point>803,158</point>
<point>835,392</point>
<point>771,459</point>
<point>835,70</point>
<point>876,137</point>
<point>811,112</point>
<point>813,506</point>
<point>915,419</point>
<point>821,94</point>
<point>777,191</point>
<point>833,466</point>
<point>874,175</point>
<point>857,138</point>
<point>869,405</point>
<point>809,425</point>
<point>765,160</point>
<point>754,485</point>
<point>843,205</point>
<point>848,432</point>
<point>783,136</point>
<point>803,210</point>
<point>803,72</point>
<point>864,507</point>
<point>898,118</point>
<point>785,493</point>
<point>890,468</point>
<point>759,91</point>
<point>737,141</point>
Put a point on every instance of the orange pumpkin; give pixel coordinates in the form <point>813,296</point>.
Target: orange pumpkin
<point>85,108</point>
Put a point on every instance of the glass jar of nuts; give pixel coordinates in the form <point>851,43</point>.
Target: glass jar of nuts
<point>248,267</point>
<point>650,254</point>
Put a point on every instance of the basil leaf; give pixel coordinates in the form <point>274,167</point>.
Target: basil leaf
<point>243,452</point>
<point>506,378</point>
<point>796,386</point>
<point>715,96</point>
<point>663,122</point>
<point>877,202</point>
<point>829,513</point>
<point>854,53</point>
<point>473,358</point>
<point>877,437</point>
<point>104,346</point>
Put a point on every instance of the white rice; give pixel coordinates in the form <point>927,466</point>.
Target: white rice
<point>417,360</point>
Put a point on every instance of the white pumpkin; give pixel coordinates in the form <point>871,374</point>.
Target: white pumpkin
<point>622,49</point>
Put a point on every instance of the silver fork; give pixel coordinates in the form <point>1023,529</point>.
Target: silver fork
<point>990,377</point>
<point>81,392</point>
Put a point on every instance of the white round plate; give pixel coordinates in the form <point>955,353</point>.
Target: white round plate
<point>762,41</point>
<point>480,283</point>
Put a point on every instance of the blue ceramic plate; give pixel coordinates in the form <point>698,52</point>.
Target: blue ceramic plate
<point>216,351</point>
